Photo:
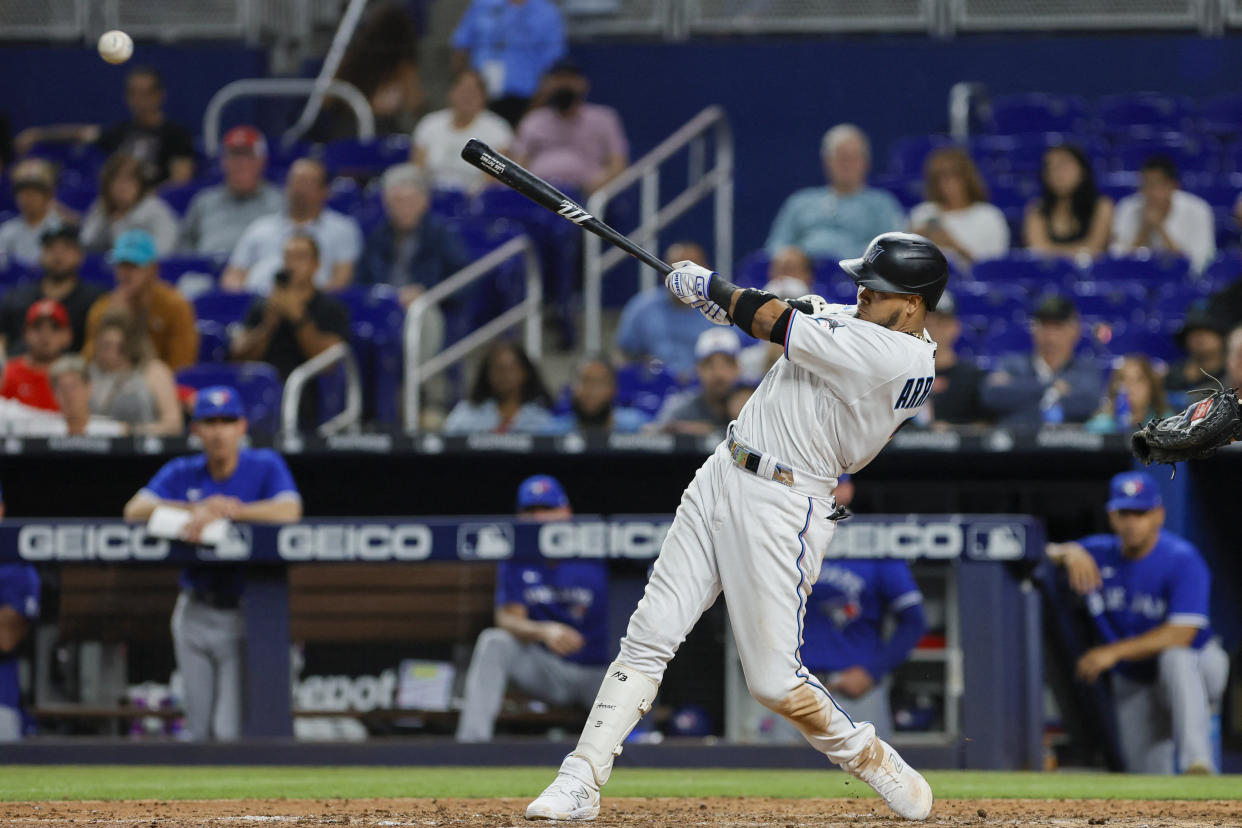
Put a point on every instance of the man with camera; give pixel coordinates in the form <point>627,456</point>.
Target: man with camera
<point>295,322</point>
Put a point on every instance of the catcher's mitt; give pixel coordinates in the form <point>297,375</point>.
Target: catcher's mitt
<point>1197,432</point>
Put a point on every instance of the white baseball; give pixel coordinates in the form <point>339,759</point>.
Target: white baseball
<point>115,46</point>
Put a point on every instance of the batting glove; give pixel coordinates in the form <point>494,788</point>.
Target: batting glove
<point>713,312</point>
<point>688,282</point>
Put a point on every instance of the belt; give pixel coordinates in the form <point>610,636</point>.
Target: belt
<point>214,599</point>
<point>756,462</point>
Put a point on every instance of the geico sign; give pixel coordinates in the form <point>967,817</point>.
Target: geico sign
<point>897,540</point>
<point>638,539</point>
<point>362,542</point>
<point>79,542</point>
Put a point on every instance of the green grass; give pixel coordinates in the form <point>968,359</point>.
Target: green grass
<point>26,782</point>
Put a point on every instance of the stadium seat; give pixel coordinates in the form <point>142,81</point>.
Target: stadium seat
<point>1114,301</point>
<point>1153,339</point>
<point>84,159</point>
<point>13,273</point>
<point>1012,192</point>
<point>376,325</point>
<point>644,385</point>
<point>1223,271</point>
<point>213,341</point>
<point>76,190</point>
<point>1151,110</point>
<point>1008,339</point>
<point>1189,154</point>
<point>174,268</point>
<point>95,268</point>
<point>345,196</point>
<point>450,203</point>
<point>997,301</point>
<point>1037,112</point>
<point>906,156</point>
<point>908,189</point>
<point>257,382</point>
<point>365,158</point>
<point>179,196</point>
<point>1221,115</point>
<point>1148,269</point>
<point>1171,300</point>
<point>752,269</point>
<point>1027,270</point>
<point>223,307</point>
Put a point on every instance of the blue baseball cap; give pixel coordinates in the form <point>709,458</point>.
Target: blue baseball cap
<point>541,492</point>
<point>218,401</point>
<point>1134,491</point>
<point>136,247</point>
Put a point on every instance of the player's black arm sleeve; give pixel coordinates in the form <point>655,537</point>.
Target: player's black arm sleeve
<point>742,304</point>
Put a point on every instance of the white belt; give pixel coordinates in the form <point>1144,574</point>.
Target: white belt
<point>763,464</point>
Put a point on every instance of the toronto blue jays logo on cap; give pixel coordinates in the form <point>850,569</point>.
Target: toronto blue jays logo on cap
<point>218,402</point>
<point>1133,491</point>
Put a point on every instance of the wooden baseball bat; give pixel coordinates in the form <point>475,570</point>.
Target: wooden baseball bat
<point>513,175</point>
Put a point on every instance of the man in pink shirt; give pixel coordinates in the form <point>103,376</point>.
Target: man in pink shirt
<point>565,139</point>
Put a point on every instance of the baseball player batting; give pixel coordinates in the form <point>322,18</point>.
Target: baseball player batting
<point>758,517</point>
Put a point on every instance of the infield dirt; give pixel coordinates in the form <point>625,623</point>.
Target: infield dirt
<point>707,813</point>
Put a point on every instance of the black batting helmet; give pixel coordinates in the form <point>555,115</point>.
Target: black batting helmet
<point>901,263</point>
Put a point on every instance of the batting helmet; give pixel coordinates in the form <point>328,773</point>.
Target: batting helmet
<point>901,263</point>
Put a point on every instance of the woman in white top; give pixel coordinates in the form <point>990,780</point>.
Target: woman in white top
<point>125,202</point>
<point>956,214</point>
<point>440,135</point>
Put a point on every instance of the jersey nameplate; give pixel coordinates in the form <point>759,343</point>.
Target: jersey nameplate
<point>914,393</point>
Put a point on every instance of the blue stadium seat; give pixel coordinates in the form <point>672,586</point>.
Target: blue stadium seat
<point>1224,271</point>
<point>369,212</point>
<point>345,196</point>
<point>752,269</point>
<point>280,156</point>
<point>173,268</point>
<point>1007,339</point>
<point>85,159</point>
<point>377,322</point>
<point>77,191</point>
<point>179,196</point>
<point>1027,270</point>
<point>1221,114</point>
<point>1172,299</point>
<point>223,307</point>
<point>908,189</point>
<point>644,385</point>
<point>997,301</point>
<point>357,157</point>
<point>95,268</point>
<point>1152,110</point>
<point>1112,301</point>
<point>13,273</point>
<point>1191,155</point>
<point>1220,190</point>
<point>906,155</point>
<point>1148,269</point>
<point>1012,192</point>
<point>1153,339</point>
<point>213,341</point>
<point>257,382</point>
<point>1036,112</point>
<point>450,203</point>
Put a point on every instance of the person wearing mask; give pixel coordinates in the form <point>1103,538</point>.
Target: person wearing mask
<point>60,259</point>
<point>34,190</point>
<point>593,402</point>
<point>208,624</point>
<point>705,410</point>
<point>1052,384</point>
<point>439,136</point>
<point>260,251</point>
<point>127,202</point>
<point>843,217</point>
<point>217,216</point>
<point>1070,217</point>
<point>508,396</point>
<point>168,316</point>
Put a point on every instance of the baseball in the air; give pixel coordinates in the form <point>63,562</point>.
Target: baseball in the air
<point>115,46</point>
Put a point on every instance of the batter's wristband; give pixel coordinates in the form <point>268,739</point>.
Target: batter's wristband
<point>720,290</point>
<point>747,305</point>
<point>780,328</point>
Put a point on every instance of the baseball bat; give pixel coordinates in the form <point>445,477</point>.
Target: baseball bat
<point>513,175</point>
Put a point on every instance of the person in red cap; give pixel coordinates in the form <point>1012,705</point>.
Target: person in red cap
<point>47,335</point>
<point>219,215</point>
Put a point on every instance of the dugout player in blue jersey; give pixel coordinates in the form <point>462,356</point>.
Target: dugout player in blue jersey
<point>19,607</point>
<point>238,484</point>
<point>1147,591</point>
<point>551,636</point>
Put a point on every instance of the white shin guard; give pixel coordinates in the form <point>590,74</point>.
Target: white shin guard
<point>624,698</point>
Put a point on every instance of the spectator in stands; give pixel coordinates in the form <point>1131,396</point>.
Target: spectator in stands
<point>440,135</point>
<point>1135,394</point>
<point>47,336</point>
<point>1147,591</point>
<point>654,325</point>
<point>126,202</point>
<point>217,216</point>
<point>955,397</point>
<point>1161,216</point>
<point>956,214</point>
<point>1051,385</point>
<point>165,150</point>
<point>169,317</point>
<point>127,383</point>
<point>511,43</point>
<point>237,484</point>
<point>838,220</point>
<point>508,396</point>
<point>413,249</point>
<point>704,410</point>
<point>19,609</point>
<point>71,382</point>
<point>1202,337</point>
<point>34,190</point>
<point>568,141</point>
<point>791,274</point>
<point>295,322</point>
<point>1070,217</point>
<point>551,636</point>
<point>593,402</point>
<point>260,252</point>
<point>60,258</point>
<point>382,62</point>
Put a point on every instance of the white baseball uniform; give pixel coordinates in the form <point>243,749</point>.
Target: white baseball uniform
<point>754,525</point>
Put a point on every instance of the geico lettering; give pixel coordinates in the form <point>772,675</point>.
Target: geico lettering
<point>573,540</point>
<point>897,540</point>
<point>344,693</point>
<point>369,542</point>
<point>84,543</point>
<point>636,539</point>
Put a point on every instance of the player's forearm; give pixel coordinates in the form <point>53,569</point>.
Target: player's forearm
<point>518,625</point>
<point>12,629</point>
<point>756,312</point>
<point>1153,642</point>
<point>140,507</point>
<point>910,627</point>
<point>275,510</point>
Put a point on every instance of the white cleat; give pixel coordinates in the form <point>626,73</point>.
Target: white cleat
<point>901,786</point>
<point>572,795</point>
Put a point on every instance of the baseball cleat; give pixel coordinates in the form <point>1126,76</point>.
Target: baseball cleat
<point>572,795</point>
<point>901,786</point>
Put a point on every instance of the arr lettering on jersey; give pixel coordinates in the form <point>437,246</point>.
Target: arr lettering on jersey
<point>914,393</point>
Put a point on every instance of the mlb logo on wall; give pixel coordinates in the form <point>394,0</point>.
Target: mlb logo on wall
<point>997,541</point>
<point>484,541</point>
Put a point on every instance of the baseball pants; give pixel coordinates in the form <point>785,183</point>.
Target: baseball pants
<point>10,724</point>
<point>1172,716</point>
<point>760,543</point>
<point>499,658</point>
<point>208,644</point>
<point>872,706</point>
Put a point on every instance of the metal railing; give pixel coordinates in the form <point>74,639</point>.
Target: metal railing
<point>717,17</point>
<point>340,42</point>
<point>295,386</point>
<point>282,88</point>
<point>529,311</point>
<point>654,218</point>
